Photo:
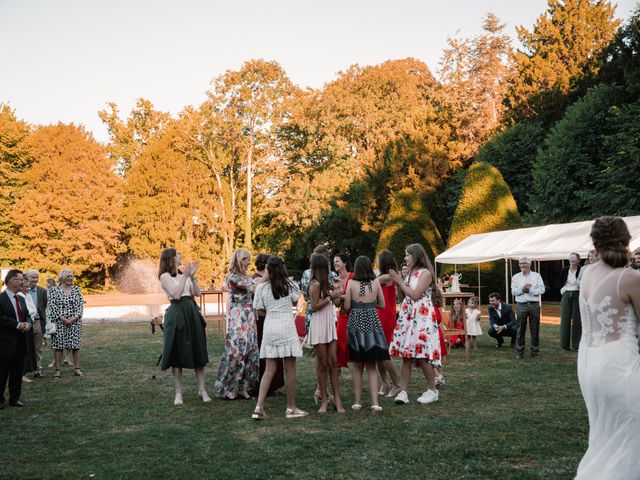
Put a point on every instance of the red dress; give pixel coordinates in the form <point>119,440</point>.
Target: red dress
<point>388,314</point>
<point>343,346</point>
<point>443,344</point>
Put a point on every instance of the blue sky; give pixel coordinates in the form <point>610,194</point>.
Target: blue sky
<point>63,60</point>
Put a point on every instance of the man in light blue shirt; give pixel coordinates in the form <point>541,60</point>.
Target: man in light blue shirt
<point>526,288</point>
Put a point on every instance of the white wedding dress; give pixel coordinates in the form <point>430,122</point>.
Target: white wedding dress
<point>609,375</point>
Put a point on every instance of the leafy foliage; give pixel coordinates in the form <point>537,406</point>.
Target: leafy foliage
<point>588,161</point>
<point>564,48</point>
<point>409,222</point>
<point>513,152</point>
<point>68,212</point>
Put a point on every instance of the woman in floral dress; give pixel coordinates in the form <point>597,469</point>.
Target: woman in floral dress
<point>239,368</point>
<point>416,337</point>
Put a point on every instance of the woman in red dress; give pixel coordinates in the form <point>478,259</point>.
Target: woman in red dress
<point>390,386</point>
<point>341,266</point>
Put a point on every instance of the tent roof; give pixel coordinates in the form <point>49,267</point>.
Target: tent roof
<point>548,242</point>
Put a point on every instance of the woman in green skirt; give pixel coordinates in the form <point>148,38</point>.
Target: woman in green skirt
<point>185,342</point>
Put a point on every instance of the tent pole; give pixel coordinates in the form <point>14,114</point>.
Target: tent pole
<point>479,295</point>
<point>506,279</point>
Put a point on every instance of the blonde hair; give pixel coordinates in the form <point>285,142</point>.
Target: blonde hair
<point>234,265</point>
<point>64,273</point>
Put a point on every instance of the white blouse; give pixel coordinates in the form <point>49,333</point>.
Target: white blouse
<point>170,283</point>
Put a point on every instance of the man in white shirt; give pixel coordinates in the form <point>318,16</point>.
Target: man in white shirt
<point>526,288</point>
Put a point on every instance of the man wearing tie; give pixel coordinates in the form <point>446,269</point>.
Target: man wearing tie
<point>14,323</point>
<point>502,320</point>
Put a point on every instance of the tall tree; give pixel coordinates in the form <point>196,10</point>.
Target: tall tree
<point>14,160</point>
<point>68,212</point>
<point>254,101</point>
<point>564,48</point>
<point>474,73</point>
<point>129,137</point>
<point>168,202</point>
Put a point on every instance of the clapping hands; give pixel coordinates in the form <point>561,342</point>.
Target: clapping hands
<point>396,277</point>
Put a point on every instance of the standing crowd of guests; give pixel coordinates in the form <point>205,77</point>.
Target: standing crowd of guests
<point>29,316</point>
<point>350,319</point>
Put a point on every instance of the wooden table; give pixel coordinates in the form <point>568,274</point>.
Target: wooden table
<point>449,332</point>
<point>219,297</point>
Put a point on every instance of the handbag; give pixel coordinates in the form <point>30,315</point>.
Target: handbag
<point>50,328</point>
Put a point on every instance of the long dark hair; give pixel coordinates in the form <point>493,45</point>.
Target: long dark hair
<point>168,262</point>
<point>386,262</point>
<point>278,278</point>
<point>362,269</point>
<point>261,261</point>
<point>320,273</point>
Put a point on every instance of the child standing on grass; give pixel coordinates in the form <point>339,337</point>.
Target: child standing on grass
<point>473,321</point>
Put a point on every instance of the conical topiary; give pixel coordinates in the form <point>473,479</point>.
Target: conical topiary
<point>409,222</point>
<point>486,205</point>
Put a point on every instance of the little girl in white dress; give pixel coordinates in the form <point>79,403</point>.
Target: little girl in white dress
<point>473,321</point>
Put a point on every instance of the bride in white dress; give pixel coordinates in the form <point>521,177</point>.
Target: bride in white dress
<point>608,359</point>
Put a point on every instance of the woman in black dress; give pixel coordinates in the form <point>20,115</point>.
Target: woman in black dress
<point>185,341</point>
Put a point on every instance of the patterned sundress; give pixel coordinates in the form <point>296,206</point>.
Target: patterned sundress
<point>416,333</point>
<point>239,367</point>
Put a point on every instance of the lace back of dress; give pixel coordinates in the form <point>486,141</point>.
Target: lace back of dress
<point>605,316</point>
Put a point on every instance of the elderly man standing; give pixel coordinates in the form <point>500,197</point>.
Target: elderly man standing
<point>526,288</point>
<point>39,297</point>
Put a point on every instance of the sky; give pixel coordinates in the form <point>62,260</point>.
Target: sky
<point>63,60</point>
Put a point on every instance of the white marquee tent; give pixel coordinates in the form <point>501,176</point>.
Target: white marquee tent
<point>549,242</point>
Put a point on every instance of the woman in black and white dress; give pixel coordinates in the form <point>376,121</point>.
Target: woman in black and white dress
<point>65,306</point>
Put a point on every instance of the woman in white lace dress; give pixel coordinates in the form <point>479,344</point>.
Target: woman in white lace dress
<point>608,359</point>
<point>276,296</point>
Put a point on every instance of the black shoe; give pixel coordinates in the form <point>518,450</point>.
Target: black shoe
<point>499,345</point>
<point>17,403</point>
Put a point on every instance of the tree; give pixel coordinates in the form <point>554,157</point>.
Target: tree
<point>67,214</point>
<point>254,102</point>
<point>587,166</point>
<point>14,160</point>
<point>168,202</point>
<point>564,48</point>
<point>513,152</point>
<point>485,205</point>
<point>128,138</point>
<point>474,74</point>
<point>409,222</point>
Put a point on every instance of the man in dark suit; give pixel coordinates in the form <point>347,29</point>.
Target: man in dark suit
<point>502,320</point>
<point>14,323</point>
<point>39,297</point>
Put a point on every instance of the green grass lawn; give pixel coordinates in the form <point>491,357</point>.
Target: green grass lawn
<point>496,418</point>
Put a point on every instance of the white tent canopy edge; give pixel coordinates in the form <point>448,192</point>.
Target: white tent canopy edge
<point>543,243</point>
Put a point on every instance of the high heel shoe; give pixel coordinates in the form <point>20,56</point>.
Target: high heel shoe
<point>77,372</point>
